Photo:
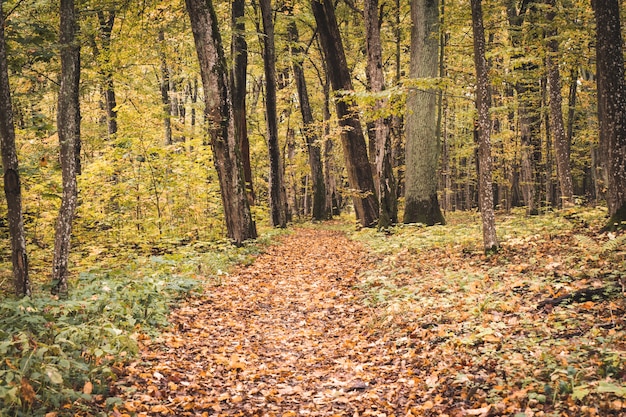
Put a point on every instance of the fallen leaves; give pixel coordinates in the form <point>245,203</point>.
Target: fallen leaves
<point>427,333</point>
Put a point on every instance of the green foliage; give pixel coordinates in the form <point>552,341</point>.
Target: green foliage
<point>57,346</point>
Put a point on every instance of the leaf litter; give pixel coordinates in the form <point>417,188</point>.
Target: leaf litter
<point>321,325</point>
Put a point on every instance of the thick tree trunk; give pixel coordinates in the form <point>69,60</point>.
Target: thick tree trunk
<point>612,104</point>
<point>68,125</point>
<point>278,214</point>
<point>557,127</point>
<point>422,143</point>
<point>483,130</point>
<point>106,28</point>
<point>165,91</point>
<point>12,186</point>
<point>219,113</point>
<point>386,183</point>
<point>239,56</point>
<point>352,139</point>
<point>320,209</point>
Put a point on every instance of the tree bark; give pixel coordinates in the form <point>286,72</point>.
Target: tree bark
<point>483,130</point>
<point>557,126</point>
<point>239,56</point>
<point>278,214</point>
<point>12,186</point>
<point>386,183</point>
<point>611,104</point>
<point>352,139</point>
<point>165,91</point>
<point>68,126</point>
<point>219,113</point>
<point>422,143</point>
<point>320,210</point>
<point>106,28</point>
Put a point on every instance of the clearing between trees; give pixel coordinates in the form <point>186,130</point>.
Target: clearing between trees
<point>409,324</point>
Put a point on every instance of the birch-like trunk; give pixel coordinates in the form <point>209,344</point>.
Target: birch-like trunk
<point>68,126</point>
<point>483,130</point>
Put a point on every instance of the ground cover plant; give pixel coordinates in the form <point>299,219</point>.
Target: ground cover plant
<point>536,329</point>
<point>61,354</point>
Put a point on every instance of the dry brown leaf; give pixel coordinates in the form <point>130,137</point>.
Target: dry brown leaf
<point>88,388</point>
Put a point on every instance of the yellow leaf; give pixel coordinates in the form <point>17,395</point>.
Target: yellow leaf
<point>159,409</point>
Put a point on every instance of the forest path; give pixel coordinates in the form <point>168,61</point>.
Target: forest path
<point>285,336</point>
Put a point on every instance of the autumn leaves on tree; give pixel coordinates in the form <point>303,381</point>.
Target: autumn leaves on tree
<point>317,107</point>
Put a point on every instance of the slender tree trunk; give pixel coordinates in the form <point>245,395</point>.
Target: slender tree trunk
<point>529,117</point>
<point>397,121</point>
<point>330,179</point>
<point>422,143</point>
<point>12,186</point>
<point>557,127</point>
<point>219,113</point>
<point>239,53</point>
<point>571,107</point>
<point>611,104</point>
<point>483,130</point>
<point>352,139</point>
<point>320,211</point>
<point>68,125</point>
<point>386,184</point>
<point>278,213</point>
<point>165,91</point>
<point>106,28</point>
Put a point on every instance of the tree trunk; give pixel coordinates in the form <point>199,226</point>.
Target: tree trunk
<point>278,215</point>
<point>483,130</point>
<point>557,127</point>
<point>239,56</point>
<point>165,91</point>
<point>611,104</point>
<point>386,186</point>
<point>68,126</point>
<point>352,139</point>
<point>106,28</point>
<point>422,143</point>
<point>219,113</point>
<point>12,186</point>
<point>320,209</point>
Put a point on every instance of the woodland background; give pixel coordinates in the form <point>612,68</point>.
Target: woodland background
<point>148,200</point>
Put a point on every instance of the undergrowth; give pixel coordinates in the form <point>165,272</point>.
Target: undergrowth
<point>61,354</point>
<point>537,328</point>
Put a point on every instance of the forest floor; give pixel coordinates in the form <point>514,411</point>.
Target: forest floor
<point>417,323</point>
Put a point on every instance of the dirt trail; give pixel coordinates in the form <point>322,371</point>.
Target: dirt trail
<point>285,336</point>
